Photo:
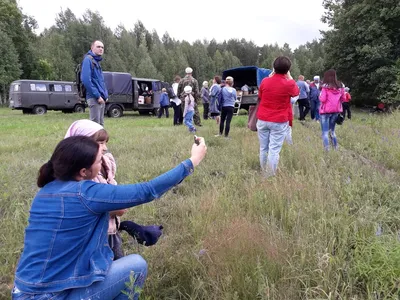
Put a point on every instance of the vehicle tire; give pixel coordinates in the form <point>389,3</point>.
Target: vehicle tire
<point>39,110</point>
<point>115,111</point>
<point>26,111</point>
<point>79,108</point>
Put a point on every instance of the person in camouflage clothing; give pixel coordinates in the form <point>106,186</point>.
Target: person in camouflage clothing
<point>191,81</point>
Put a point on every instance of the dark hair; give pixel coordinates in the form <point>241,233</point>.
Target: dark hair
<point>330,79</point>
<point>217,79</point>
<point>177,78</point>
<point>282,65</point>
<point>70,156</point>
<point>101,136</point>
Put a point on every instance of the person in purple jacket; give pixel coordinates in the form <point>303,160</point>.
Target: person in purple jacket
<point>332,96</point>
<point>164,104</point>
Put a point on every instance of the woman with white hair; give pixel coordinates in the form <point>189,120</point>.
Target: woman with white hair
<point>205,96</point>
<point>227,106</point>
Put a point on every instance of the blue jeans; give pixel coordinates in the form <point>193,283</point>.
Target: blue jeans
<point>110,288</point>
<point>328,123</point>
<point>189,120</point>
<point>271,136</point>
<point>315,110</point>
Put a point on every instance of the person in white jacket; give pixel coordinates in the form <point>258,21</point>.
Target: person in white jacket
<point>176,102</point>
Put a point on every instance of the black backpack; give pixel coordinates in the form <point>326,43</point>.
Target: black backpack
<point>78,70</point>
<point>171,93</point>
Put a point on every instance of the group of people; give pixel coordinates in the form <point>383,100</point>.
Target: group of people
<point>275,111</point>
<point>309,98</point>
<point>218,102</point>
<point>72,247</point>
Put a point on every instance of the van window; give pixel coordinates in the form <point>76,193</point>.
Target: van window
<point>55,87</point>
<point>39,87</point>
<point>16,87</point>
<point>68,88</point>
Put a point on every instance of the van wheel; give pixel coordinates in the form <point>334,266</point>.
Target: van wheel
<point>79,108</point>
<point>115,111</point>
<point>26,111</point>
<point>39,110</point>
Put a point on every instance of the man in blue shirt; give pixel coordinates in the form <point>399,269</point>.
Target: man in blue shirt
<point>93,80</point>
<point>304,103</point>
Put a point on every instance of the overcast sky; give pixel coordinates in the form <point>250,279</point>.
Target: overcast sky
<point>263,22</point>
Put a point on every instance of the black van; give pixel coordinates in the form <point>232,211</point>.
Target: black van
<point>130,93</point>
<point>39,96</point>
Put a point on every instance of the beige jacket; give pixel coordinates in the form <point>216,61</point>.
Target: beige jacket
<point>107,176</point>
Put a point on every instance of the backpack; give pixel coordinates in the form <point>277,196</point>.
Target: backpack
<point>78,71</point>
<point>171,93</point>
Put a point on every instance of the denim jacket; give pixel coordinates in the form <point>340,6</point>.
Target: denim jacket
<point>65,243</point>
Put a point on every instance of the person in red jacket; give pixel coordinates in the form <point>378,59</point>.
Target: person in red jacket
<point>273,113</point>
<point>346,104</point>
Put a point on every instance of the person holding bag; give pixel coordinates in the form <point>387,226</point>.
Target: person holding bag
<point>332,97</point>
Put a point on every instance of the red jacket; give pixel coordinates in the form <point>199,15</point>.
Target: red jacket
<point>348,97</point>
<point>275,93</point>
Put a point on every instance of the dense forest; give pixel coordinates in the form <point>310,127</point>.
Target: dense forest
<point>363,45</point>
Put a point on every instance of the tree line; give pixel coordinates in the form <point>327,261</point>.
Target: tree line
<point>54,54</point>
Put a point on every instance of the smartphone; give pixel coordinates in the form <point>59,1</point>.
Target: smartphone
<point>196,141</point>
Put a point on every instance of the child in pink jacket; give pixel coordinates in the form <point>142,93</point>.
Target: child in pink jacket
<point>331,97</point>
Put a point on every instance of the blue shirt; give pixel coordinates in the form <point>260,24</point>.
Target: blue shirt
<point>66,243</point>
<point>228,96</point>
<point>304,89</point>
<point>164,100</point>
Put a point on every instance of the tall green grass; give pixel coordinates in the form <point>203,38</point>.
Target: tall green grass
<point>326,227</point>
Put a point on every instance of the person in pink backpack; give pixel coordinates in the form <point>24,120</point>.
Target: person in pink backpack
<point>331,97</point>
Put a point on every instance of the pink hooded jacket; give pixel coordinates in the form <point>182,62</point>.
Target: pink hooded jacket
<point>331,100</point>
<point>109,167</point>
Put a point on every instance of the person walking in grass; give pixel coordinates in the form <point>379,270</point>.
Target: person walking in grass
<point>304,104</point>
<point>189,109</point>
<point>176,102</point>
<point>215,90</point>
<point>315,89</point>
<point>205,96</point>
<point>274,113</point>
<point>228,97</point>
<point>332,96</point>
<point>189,80</point>
<point>346,104</point>
<point>164,104</point>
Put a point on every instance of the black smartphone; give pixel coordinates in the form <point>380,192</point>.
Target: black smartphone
<point>196,141</point>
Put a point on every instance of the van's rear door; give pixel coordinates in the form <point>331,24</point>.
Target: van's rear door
<point>15,98</point>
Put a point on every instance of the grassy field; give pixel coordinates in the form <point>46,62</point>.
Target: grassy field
<point>327,227</point>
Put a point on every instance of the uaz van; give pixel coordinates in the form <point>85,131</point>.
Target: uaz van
<point>39,96</point>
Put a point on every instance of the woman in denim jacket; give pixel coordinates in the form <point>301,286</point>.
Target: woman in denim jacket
<point>66,254</point>
<point>147,235</point>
